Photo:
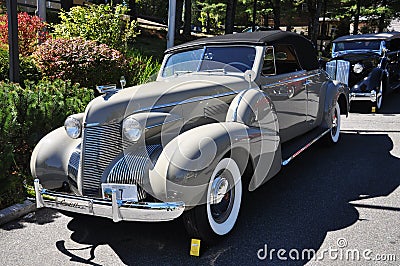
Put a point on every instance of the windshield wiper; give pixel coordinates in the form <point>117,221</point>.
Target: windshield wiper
<point>180,72</point>
<point>214,70</point>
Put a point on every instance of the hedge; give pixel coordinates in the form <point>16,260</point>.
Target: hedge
<point>27,115</point>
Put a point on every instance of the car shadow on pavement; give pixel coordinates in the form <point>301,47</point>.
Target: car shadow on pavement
<point>295,210</point>
<point>40,217</point>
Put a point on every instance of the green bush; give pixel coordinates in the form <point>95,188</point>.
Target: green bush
<point>102,23</point>
<point>81,61</point>
<point>28,68</point>
<point>141,69</point>
<point>27,115</point>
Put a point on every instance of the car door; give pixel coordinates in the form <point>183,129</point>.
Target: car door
<point>314,81</point>
<point>283,80</point>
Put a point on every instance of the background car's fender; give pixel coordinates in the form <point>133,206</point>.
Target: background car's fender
<point>374,79</point>
<point>49,161</point>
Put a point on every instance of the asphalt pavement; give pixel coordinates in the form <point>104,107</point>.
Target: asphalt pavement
<point>341,202</point>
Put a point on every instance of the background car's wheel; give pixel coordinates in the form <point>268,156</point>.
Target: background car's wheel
<point>333,136</point>
<point>217,217</point>
<point>379,97</point>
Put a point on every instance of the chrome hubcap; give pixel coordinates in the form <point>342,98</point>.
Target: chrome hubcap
<point>221,197</point>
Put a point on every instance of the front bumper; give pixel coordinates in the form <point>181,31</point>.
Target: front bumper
<point>115,209</point>
<point>363,96</point>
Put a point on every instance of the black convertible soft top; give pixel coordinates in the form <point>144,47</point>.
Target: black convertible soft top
<point>305,50</point>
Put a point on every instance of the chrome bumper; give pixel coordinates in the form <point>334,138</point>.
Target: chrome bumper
<point>363,96</point>
<point>115,209</point>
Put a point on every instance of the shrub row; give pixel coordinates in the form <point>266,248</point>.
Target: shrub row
<point>27,115</point>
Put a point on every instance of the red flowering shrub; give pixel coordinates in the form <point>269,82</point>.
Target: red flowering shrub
<point>83,62</point>
<point>30,32</point>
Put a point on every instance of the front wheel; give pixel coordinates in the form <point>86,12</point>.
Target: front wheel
<point>333,135</point>
<point>379,97</point>
<point>217,217</point>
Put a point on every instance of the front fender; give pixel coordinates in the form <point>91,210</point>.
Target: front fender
<point>49,160</point>
<point>184,167</point>
<point>372,81</point>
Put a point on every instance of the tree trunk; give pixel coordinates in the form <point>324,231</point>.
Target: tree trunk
<point>132,9</point>
<point>277,14</point>
<point>357,17</point>
<point>381,25</point>
<point>314,8</point>
<point>66,4</point>
<point>188,18</point>
<point>178,17</point>
<point>230,16</point>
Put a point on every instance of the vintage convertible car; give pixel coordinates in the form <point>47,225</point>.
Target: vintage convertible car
<point>369,64</point>
<point>224,115</point>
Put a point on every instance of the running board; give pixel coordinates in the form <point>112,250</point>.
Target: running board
<point>285,162</point>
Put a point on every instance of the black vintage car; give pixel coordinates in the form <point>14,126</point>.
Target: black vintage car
<point>368,63</point>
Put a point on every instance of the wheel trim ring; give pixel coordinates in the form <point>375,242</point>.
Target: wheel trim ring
<point>335,130</point>
<point>379,97</point>
<point>227,225</point>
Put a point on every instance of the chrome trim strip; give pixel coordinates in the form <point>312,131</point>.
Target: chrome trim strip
<point>285,162</point>
<point>285,82</point>
<point>114,209</point>
<point>163,123</point>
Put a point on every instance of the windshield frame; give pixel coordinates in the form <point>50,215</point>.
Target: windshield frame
<point>342,52</point>
<point>254,67</point>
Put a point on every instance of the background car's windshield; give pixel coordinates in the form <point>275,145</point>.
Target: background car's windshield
<point>360,45</point>
<point>230,59</point>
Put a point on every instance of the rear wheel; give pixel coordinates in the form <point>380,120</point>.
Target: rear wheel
<point>217,217</point>
<point>333,136</point>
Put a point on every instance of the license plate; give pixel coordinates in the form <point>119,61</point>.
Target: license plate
<point>124,192</point>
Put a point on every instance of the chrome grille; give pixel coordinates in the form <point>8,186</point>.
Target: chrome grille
<point>101,144</point>
<point>132,168</point>
<point>73,164</point>
<point>339,70</point>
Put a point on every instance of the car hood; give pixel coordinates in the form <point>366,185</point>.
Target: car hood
<point>114,107</point>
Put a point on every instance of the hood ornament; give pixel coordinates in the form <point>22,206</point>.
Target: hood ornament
<point>108,90</point>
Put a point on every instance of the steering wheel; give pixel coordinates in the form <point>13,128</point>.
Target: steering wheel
<point>237,63</point>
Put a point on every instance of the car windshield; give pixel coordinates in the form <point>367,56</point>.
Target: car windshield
<point>343,47</point>
<point>210,59</point>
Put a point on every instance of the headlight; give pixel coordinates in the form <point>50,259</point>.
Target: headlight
<point>358,68</point>
<point>132,129</point>
<point>73,127</point>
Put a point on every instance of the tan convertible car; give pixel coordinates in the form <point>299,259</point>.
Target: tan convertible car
<point>223,116</point>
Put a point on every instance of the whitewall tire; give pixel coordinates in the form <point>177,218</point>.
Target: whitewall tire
<point>218,216</point>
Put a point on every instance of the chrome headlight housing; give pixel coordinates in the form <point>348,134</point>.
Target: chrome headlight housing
<point>73,127</point>
<point>358,68</point>
<point>132,129</point>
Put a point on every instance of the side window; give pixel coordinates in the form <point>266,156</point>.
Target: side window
<point>269,62</point>
<point>286,59</point>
